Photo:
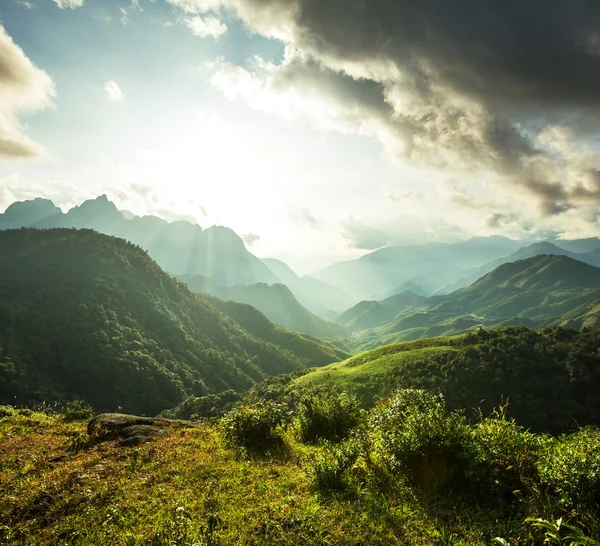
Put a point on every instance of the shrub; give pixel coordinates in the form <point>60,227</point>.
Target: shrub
<point>328,470</point>
<point>6,411</point>
<point>327,415</point>
<point>77,410</point>
<point>570,468</point>
<point>256,427</point>
<point>413,435</point>
<point>501,456</point>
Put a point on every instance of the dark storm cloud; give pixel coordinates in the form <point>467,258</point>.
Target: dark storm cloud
<point>467,84</point>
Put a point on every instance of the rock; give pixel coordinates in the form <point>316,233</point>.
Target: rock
<point>132,429</point>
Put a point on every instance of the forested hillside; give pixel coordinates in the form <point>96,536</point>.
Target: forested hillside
<point>550,378</point>
<point>85,315</point>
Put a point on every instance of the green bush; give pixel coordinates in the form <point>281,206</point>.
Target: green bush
<point>256,427</point>
<point>327,415</point>
<point>414,435</point>
<point>77,410</point>
<point>570,468</point>
<point>500,458</point>
<point>328,470</point>
<point>6,411</point>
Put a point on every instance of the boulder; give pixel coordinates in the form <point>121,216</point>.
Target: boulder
<point>131,429</point>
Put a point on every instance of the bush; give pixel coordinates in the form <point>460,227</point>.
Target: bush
<point>77,410</point>
<point>256,427</point>
<point>570,468</point>
<point>501,457</point>
<point>327,415</point>
<point>6,411</point>
<point>413,435</point>
<point>328,470</point>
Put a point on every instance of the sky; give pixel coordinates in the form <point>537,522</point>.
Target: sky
<point>316,130</point>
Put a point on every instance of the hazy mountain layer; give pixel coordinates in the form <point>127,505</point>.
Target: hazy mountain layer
<point>370,314</point>
<point>276,301</point>
<point>421,268</point>
<point>535,292</point>
<point>178,247</point>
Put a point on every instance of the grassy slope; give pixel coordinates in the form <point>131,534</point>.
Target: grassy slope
<point>189,489</point>
<point>368,373</point>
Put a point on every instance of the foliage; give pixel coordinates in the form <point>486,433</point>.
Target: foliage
<point>327,414</point>
<point>561,533</point>
<point>6,411</point>
<point>501,457</point>
<point>255,427</point>
<point>329,469</point>
<point>211,405</point>
<point>570,467</point>
<point>414,435</point>
<point>77,411</point>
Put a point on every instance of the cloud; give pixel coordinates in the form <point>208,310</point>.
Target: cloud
<point>303,217</point>
<point>205,26</point>
<point>62,4</point>
<point>23,88</point>
<point>196,6</point>
<point>250,238</point>
<point>113,91</point>
<point>482,87</point>
<point>406,230</point>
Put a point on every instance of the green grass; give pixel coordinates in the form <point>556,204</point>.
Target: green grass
<point>189,488</point>
<point>367,374</point>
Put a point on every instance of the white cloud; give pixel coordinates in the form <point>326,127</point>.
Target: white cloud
<point>113,91</point>
<point>196,6</point>
<point>23,87</point>
<point>205,26</point>
<point>62,4</point>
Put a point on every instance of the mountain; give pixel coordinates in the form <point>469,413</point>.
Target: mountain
<point>178,247</point>
<point>370,314</point>
<point>536,249</point>
<point>426,267</point>
<point>535,292</point>
<point>276,301</point>
<point>85,315</point>
<point>321,298</point>
<point>583,316</point>
<point>550,378</point>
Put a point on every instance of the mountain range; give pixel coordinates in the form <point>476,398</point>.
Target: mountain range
<point>536,292</point>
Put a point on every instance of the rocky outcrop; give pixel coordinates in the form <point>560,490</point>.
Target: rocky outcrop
<point>131,429</point>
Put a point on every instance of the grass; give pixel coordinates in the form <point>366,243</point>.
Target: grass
<point>368,374</point>
<point>189,489</point>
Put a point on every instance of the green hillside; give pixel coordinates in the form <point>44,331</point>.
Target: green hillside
<point>535,292</point>
<point>552,376</point>
<point>276,301</point>
<point>85,315</point>
<point>370,314</point>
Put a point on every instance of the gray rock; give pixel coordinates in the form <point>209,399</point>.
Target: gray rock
<point>132,429</point>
